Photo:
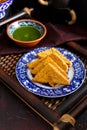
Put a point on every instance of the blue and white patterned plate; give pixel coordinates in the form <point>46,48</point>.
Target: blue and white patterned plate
<point>76,75</point>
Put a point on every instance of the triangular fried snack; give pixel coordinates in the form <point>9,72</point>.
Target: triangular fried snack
<point>53,50</point>
<point>44,62</point>
<point>51,75</point>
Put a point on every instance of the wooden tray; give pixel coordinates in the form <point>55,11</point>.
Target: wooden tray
<point>53,108</point>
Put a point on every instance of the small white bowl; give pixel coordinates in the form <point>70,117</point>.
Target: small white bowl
<point>26,23</point>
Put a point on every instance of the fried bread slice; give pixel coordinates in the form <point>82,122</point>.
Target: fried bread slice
<point>53,50</point>
<point>59,61</point>
<point>44,53</point>
<point>51,75</point>
<point>44,62</point>
<point>34,63</point>
<point>68,62</point>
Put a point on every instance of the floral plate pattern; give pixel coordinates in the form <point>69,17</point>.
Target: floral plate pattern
<point>4,6</point>
<point>76,75</point>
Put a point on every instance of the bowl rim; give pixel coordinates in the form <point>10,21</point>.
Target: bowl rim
<point>20,41</point>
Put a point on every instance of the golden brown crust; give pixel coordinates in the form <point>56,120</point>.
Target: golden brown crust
<point>45,61</point>
<point>68,62</point>
<point>34,63</point>
<point>59,61</point>
<point>51,67</point>
<point>53,50</point>
<point>50,74</point>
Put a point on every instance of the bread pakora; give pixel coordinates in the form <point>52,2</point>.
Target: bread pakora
<point>34,63</point>
<point>59,61</point>
<point>53,50</point>
<point>51,67</point>
<point>51,75</point>
<point>45,61</point>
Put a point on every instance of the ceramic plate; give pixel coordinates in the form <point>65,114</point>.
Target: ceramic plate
<point>76,75</point>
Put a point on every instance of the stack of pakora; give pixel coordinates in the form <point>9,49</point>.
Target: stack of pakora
<point>51,67</point>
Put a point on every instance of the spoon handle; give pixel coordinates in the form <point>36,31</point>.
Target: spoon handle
<point>18,15</point>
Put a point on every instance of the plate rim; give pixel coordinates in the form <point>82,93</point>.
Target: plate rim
<point>50,96</point>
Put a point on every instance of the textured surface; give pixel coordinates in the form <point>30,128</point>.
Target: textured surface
<point>12,109</point>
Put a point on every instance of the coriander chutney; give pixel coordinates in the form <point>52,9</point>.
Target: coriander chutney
<point>26,33</point>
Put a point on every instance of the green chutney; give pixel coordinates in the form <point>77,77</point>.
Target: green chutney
<point>26,33</point>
